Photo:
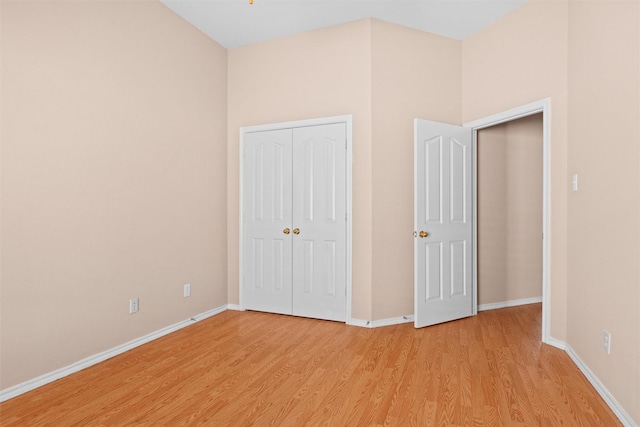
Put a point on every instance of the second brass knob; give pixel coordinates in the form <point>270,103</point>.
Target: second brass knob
<point>296,231</point>
<point>423,234</point>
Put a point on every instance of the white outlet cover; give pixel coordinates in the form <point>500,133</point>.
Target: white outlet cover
<point>187,290</point>
<point>134,305</point>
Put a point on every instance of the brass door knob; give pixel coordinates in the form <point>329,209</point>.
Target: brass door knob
<point>296,231</point>
<point>286,231</point>
<point>423,234</point>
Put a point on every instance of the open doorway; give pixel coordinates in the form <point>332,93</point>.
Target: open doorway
<point>543,108</point>
<point>509,213</point>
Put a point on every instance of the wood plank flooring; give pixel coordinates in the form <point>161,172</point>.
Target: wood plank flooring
<point>259,369</point>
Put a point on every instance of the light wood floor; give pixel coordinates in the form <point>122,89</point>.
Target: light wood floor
<point>247,368</point>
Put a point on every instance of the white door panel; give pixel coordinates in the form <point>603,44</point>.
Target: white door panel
<point>319,212</point>
<point>267,213</point>
<point>443,210</point>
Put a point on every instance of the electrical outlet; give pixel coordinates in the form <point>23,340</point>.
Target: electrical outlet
<point>607,342</point>
<point>187,290</point>
<point>134,305</point>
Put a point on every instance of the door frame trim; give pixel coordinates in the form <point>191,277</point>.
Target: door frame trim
<point>542,106</point>
<point>347,119</point>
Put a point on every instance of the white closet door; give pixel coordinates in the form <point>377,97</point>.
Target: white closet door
<point>267,218</point>
<point>443,221</point>
<point>319,214</point>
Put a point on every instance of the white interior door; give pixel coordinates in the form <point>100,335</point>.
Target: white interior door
<point>443,218</point>
<point>319,216</point>
<point>294,247</point>
<point>267,217</point>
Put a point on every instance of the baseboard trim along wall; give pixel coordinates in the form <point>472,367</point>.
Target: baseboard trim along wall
<point>409,318</point>
<point>617,409</point>
<point>557,343</point>
<point>512,303</point>
<point>34,383</point>
<point>359,322</point>
<point>382,322</point>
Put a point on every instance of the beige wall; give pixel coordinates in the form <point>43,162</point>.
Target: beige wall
<point>584,56</point>
<point>414,75</point>
<point>510,211</point>
<point>113,178</point>
<point>492,215</point>
<point>604,147</point>
<point>520,59</point>
<point>315,74</point>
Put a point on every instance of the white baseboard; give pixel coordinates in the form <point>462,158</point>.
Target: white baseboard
<point>34,383</point>
<point>209,313</point>
<point>556,343</point>
<point>235,307</point>
<point>382,322</point>
<point>617,409</point>
<point>392,321</point>
<point>359,322</point>
<point>512,303</point>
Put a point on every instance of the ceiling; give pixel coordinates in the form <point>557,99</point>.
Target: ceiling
<point>234,23</point>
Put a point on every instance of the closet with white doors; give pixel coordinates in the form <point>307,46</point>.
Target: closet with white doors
<point>294,221</point>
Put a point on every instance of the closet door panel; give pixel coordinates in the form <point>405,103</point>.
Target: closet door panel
<point>267,216</point>
<point>319,220</point>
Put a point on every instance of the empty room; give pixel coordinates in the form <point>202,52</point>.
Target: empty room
<point>289,213</point>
